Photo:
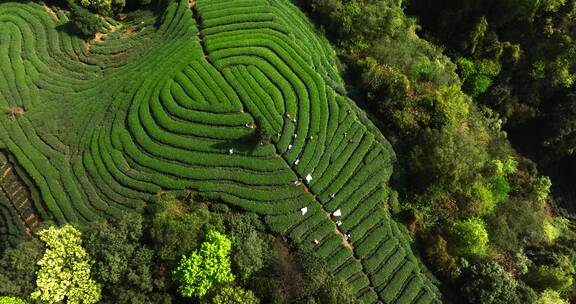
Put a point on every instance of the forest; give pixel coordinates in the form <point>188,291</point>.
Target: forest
<point>276,151</point>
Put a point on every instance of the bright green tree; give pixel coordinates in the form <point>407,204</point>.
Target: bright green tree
<point>11,300</point>
<point>484,198</point>
<point>469,237</point>
<point>235,295</point>
<point>550,296</point>
<point>542,186</point>
<point>65,269</point>
<point>477,75</point>
<point>205,267</point>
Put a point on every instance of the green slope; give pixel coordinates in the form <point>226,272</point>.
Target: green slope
<point>158,104</point>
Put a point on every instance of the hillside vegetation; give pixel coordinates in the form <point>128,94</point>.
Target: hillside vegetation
<point>234,100</point>
<point>524,54</point>
<point>277,151</point>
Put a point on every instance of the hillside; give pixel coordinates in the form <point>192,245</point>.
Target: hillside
<point>234,101</point>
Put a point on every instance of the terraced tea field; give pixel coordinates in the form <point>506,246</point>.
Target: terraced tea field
<point>177,102</point>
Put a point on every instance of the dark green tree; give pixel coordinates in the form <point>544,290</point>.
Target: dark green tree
<point>177,231</point>
<point>123,264</point>
<point>86,22</point>
<point>18,268</point>
<point>319,284</point>
<point>488,283</point>
<point>250,247</point>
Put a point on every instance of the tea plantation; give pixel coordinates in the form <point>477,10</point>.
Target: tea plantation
<point>234,100</point>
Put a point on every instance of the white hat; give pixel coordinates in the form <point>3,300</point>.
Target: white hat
<point>337,213</point>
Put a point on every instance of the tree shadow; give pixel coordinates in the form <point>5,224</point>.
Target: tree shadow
<point>246,144</point>
<point>70,29</point>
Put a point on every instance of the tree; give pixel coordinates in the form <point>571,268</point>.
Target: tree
<point>65,269</point>
<point>550,296</point>
<point>319,284</point>
<point>123,265</point>
<point>102,6</point>
<point>484,198</point>
<point>542,186</point>
<point>436,251</point>
<point>175,232</point>
<point>11,300</point>
<point>85,21</point>
<point>545,277</point>
<point>234,295</point>
<point>17,268</point>
<point>477,74</point>
<point>469,237</point>
<point>250,249</point>
<point>488,283</point>
<point>210,265</point>
<point>534,43</point>
<point>110,7</point>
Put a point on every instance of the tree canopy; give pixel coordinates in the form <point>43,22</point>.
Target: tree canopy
<point>11,300</point>
<point>470,236</point>
<point>65,272</point>
<point>234,295</point>
<point>208,266</point>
